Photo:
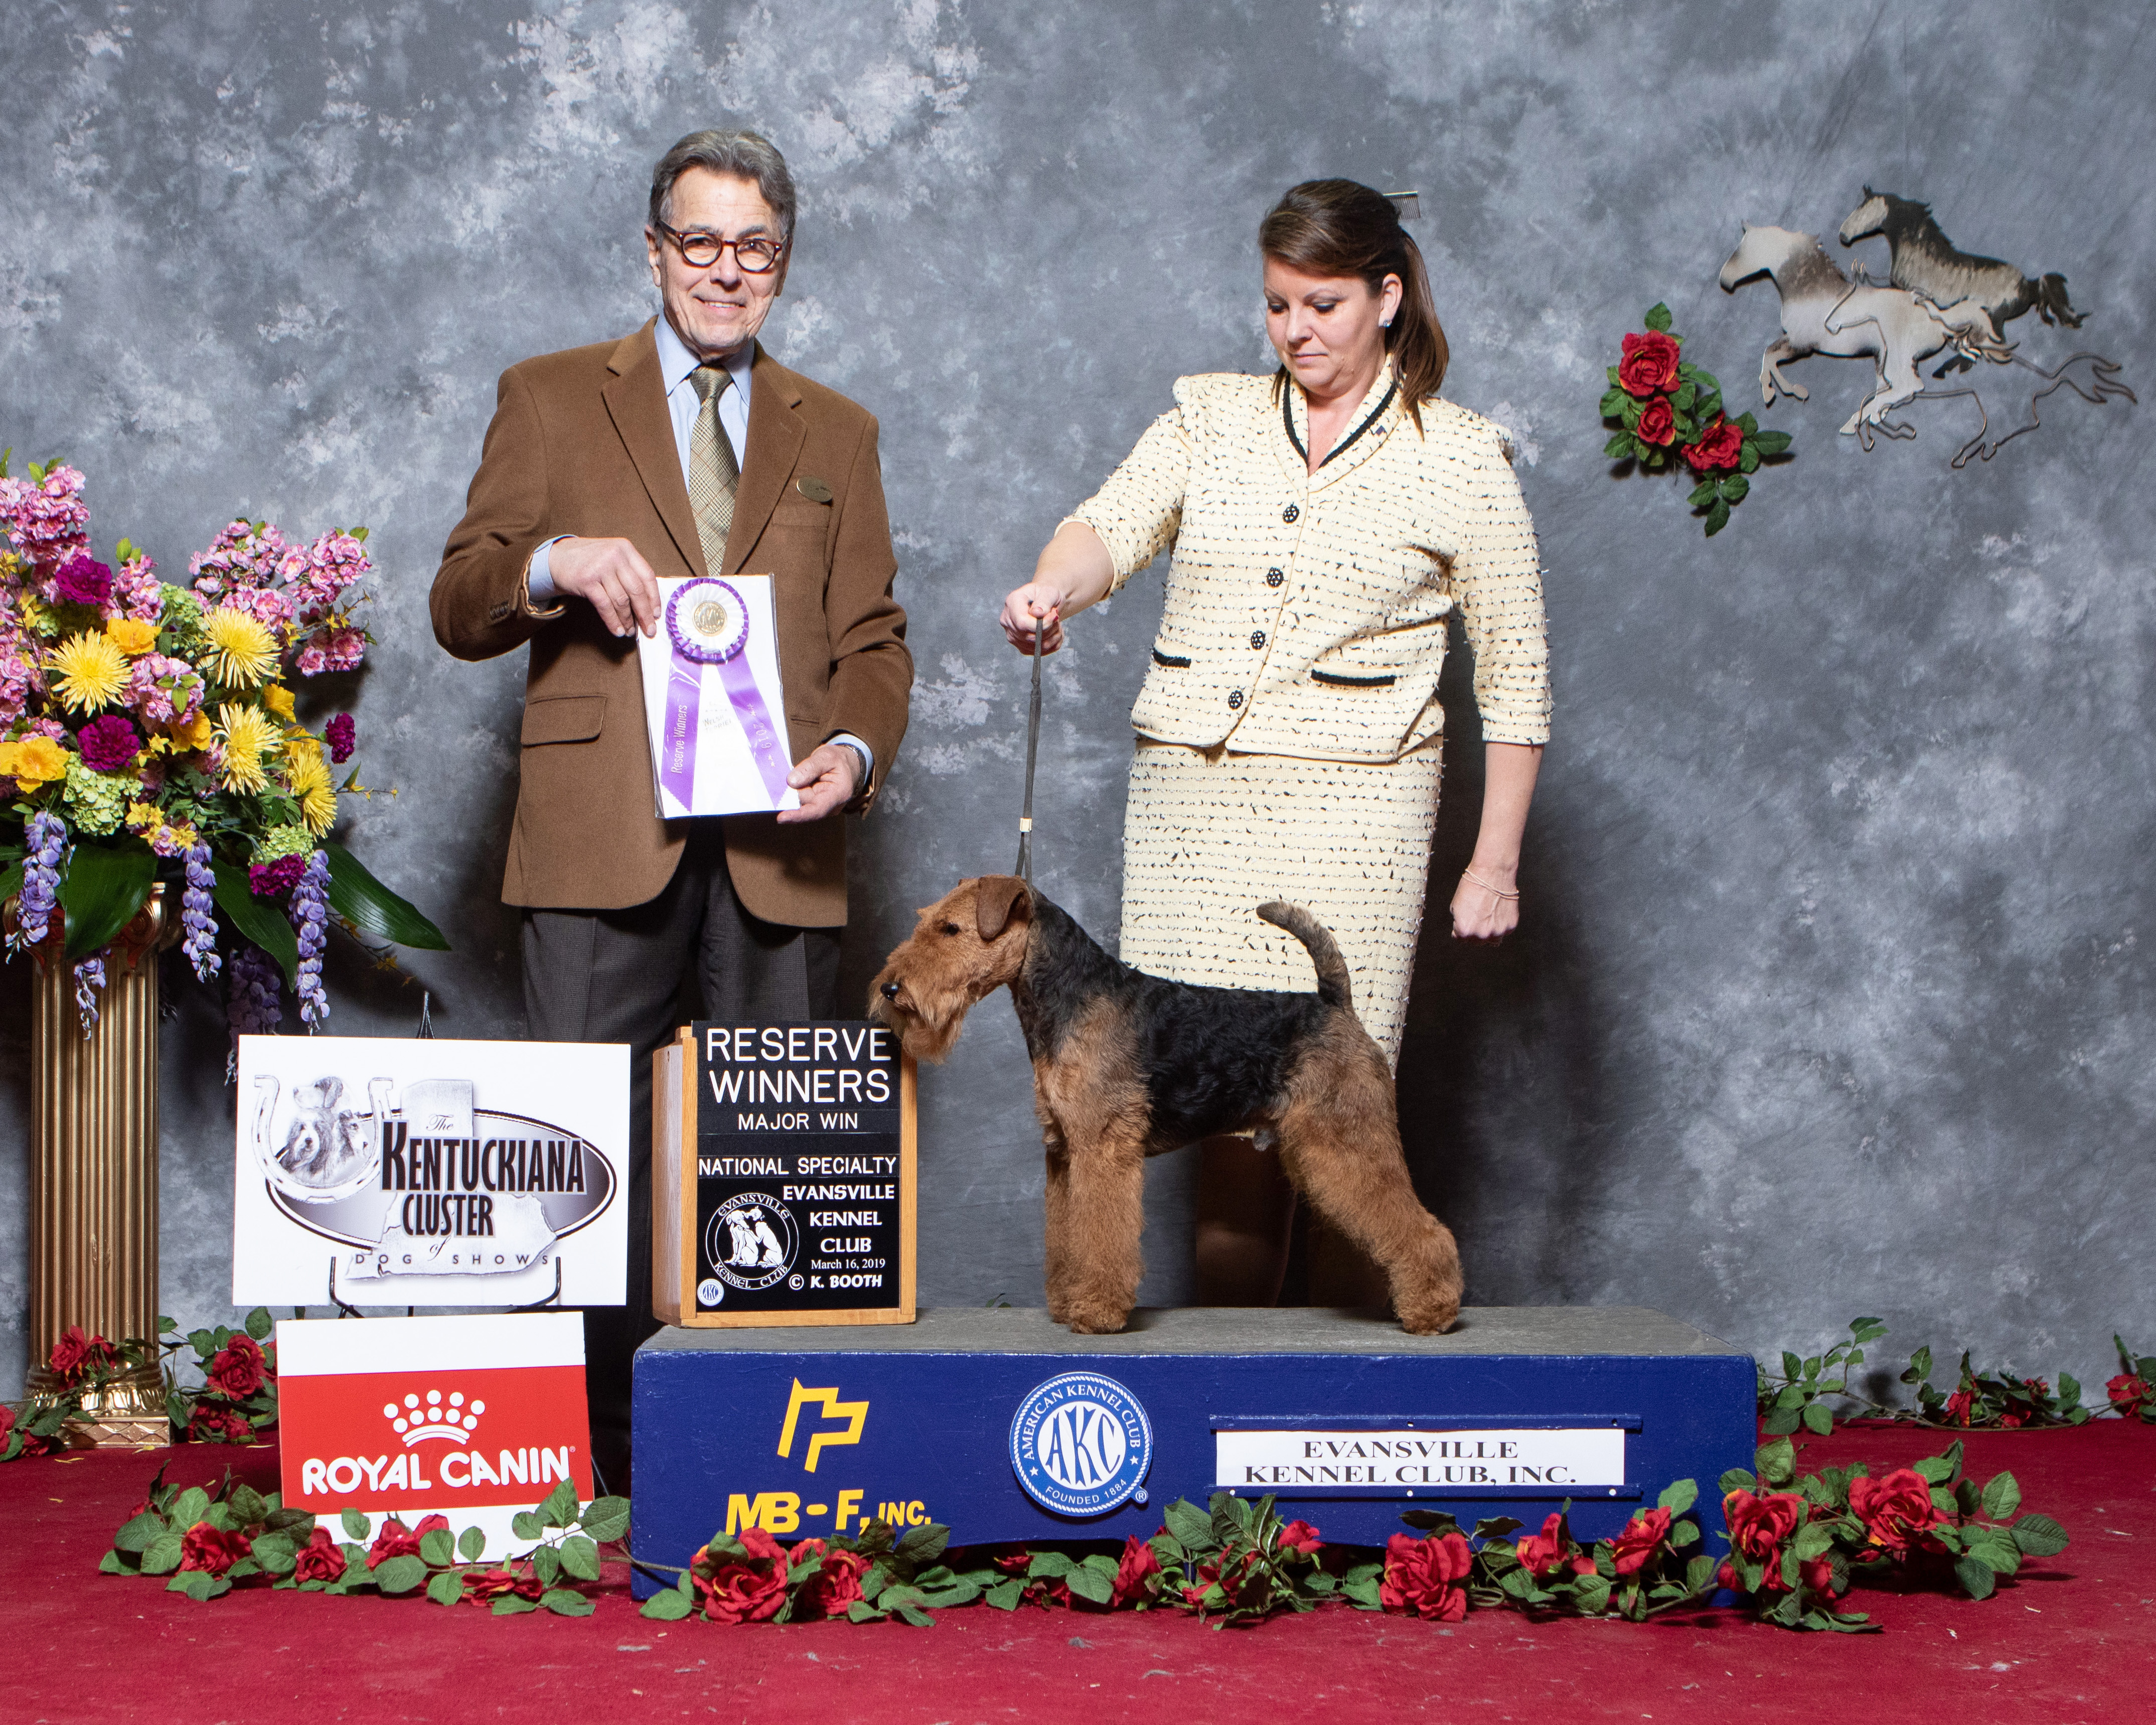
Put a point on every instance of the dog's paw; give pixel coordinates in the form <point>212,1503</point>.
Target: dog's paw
<point>1085,1320</point>
<point>1428,1316</point>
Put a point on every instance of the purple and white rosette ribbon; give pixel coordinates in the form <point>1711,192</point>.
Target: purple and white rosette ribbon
<point>707,623</point>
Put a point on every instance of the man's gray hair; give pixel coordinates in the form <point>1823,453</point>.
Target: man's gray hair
<point>746,155</point>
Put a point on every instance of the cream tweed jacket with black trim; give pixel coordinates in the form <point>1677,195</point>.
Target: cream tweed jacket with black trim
<point>1305,612</point>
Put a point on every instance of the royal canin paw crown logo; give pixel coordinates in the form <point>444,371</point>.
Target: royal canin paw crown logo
<point>433,1416</point>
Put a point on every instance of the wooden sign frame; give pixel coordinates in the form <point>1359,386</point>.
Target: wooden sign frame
<point>675,1255</point>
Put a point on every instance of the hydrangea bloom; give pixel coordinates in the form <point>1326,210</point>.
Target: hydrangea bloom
<point>97,801</point>
<point>310,913</point>
<point>198,916</point>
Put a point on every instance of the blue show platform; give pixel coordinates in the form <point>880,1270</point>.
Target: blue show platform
<point>1007,1427</point>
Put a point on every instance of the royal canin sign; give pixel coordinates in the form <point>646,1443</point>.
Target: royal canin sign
<point>472,1417</point>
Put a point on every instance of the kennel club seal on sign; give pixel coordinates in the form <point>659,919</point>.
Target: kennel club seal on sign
<point>783,1182</point>
<point>1080,1445</point>
<point>382,1171</point>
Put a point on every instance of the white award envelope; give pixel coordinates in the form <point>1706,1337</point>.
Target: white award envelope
<point>712,705</point>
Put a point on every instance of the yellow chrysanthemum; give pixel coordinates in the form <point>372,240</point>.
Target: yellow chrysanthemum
<point>131,635</point>
<point>278,699</point>
<point>242,652</point>
<point>89,672</point>
<point>33,762</point>
<point>195,734</point>
<point>251,743</point>
<point>309,780</point>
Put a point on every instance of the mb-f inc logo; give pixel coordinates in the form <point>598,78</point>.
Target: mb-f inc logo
<point>1080,1445</point>
<point>854,1414</point>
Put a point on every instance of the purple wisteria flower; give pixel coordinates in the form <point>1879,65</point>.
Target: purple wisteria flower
<point>274,880</point>
<point>343,735</point>
<point>254,1002</point>
<point>197,919</point>
<point>89,984</point>
<point>45,842</point>
<point>311,916</point>
<point>109,743</point>
<point>82,580</point>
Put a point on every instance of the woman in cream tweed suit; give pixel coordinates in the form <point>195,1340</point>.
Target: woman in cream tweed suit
<point>1325,523</point>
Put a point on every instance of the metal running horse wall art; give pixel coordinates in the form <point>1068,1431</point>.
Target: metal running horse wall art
<point>1936,301</point>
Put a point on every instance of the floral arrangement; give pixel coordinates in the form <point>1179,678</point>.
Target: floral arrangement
<point>238,1398</point>
<point>208,1542</point>
<point>1797,1395</point>
<point>1667,409</point>
<point>81,1364</point>
<point>149,731</point>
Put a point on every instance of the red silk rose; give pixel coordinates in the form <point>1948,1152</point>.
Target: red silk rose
<point>218,1425</point>
<point>1658,423</point>
<point>745,1589</point>
<point>1760,1520</point>
<point>237,1369</point>
<point>1958,1405</point>
<point>1717,449</point>
<point>1642,1537</point>
<point>1896,1511</point>
<point>76,1356</point>
<point>1301,1537</point>
<point>1650,364</point>
<point>2126,1391</point>
<point>393,1539</point>
<point>1137,1574</point>
<point>1423,1576</point>
<point>319,1559</point>
<point>211,1550</point>
<point>1233,1579</point>
<point>835,1585</point>
<point>1544,1554</point>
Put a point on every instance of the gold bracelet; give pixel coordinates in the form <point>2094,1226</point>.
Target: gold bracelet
<point>1486,885</point>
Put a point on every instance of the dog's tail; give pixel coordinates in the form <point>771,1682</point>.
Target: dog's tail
<point>1333,988</point>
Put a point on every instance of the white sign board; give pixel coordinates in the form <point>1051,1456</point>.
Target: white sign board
<point>1417,1460</point>
<point>392,1171</point>
<point>712,699</point>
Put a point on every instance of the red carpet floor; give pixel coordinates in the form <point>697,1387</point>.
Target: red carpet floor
<point>2073,1638</point>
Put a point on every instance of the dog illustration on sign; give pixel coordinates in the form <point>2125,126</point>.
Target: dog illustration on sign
<point>1127,1065</point>
<point>1939,298</point>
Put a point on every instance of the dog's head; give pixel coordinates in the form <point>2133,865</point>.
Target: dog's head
<point>968,943</point>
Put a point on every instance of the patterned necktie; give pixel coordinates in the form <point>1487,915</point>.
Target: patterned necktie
<point>714,475</point>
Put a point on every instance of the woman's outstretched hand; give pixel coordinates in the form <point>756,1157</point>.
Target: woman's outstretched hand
<point>1035,599</point>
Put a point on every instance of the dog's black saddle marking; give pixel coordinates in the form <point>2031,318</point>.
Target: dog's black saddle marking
<point>1212,1059</point>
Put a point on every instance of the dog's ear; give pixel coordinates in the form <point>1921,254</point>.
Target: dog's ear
<point>999,900</point>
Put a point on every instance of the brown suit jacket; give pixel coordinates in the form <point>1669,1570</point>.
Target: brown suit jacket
<point>581,443</point>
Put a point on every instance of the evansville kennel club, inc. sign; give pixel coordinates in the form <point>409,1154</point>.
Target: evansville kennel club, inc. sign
<point>384,1170</point>
<point>782,1176</point>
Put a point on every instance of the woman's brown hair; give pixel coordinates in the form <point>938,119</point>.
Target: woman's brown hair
<point>1340,228</point>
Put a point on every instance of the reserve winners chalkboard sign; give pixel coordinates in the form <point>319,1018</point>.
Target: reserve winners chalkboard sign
<point>782,1176</point>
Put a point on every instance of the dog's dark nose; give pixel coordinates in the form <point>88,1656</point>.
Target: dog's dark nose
<point>890,991</point>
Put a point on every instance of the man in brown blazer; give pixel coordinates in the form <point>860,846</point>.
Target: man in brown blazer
<point>682,449</point>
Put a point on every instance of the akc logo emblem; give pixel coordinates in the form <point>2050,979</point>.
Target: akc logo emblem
<point>1080,1445</point>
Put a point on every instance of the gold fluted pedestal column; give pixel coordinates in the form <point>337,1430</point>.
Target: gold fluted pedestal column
<point>94,1176</point>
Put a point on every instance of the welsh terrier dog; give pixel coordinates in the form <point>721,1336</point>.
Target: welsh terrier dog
<point>1127,1065</point>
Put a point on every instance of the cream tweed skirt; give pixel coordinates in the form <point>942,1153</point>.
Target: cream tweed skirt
<point>1208,836</point>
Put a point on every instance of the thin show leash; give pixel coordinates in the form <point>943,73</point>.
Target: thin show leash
<point>1032,748</point>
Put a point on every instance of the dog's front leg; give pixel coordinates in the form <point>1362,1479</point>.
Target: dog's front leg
<point>1055,1240</point>
<point>1104,1222</point>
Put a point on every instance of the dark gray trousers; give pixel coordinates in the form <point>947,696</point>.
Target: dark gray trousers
<point>626,975</point>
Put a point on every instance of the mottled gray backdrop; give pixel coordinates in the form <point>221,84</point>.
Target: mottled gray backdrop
<point>1829,997</point>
